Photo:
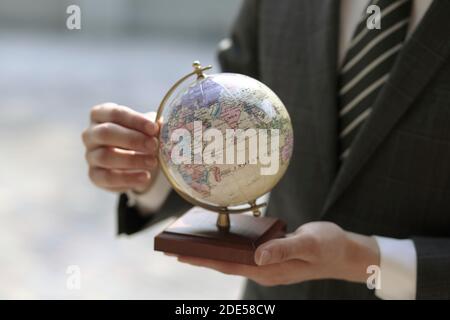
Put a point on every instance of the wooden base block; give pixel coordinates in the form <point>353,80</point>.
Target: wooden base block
<point>196,234</point>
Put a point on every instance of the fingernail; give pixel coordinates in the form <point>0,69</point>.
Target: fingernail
<point>170,254</point>
<point>264,257</point>
<point>143,177</point>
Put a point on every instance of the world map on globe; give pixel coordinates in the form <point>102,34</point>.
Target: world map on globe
<point>225,102</point>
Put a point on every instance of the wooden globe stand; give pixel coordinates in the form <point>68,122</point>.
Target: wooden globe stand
<point>198,234</point>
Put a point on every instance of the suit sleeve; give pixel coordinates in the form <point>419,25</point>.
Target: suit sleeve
<point>130,220</point>
<point>433,268</point>
<point>236,54</point>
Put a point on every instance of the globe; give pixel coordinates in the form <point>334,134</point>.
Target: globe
<point>225,139</point>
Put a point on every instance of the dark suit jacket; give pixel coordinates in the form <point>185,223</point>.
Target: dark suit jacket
<point>396,181</point>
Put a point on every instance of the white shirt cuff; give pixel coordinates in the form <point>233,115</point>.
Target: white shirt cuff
<point>152,200</point>
<point>398,269</point>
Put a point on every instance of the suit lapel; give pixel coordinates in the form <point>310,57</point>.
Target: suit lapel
<point>420,59</point>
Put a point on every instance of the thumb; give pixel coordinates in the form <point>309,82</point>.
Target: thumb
<point>278,250</point>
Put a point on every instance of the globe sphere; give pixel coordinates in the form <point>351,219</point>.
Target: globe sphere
<point>225,139</point>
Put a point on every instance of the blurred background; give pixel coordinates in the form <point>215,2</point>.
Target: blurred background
<point>129,52</point>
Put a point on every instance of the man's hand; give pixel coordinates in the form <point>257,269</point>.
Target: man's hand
<point>121,148</point>
<point>317,250</point>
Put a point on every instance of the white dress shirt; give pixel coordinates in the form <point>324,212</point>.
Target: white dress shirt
<point>398,260</point>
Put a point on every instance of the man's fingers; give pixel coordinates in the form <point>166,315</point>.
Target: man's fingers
<point>152,116</point>
<point>114,158</point>
<point>170,254</point>
<point>297,246</point>
<point>221,266</point>
<point>118,179</point>
<point>111,134</point>
<point>124,116</point>
<point>274,274</point>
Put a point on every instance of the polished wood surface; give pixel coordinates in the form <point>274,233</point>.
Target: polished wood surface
<point>196,234</point>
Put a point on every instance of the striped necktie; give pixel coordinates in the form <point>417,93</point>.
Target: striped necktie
<point>366,67</point>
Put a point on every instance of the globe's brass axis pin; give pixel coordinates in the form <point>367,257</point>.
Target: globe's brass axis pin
<point>223,221</point>
<point>198,69</point>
